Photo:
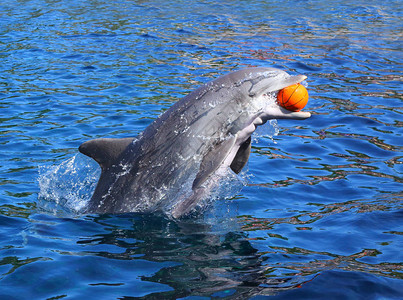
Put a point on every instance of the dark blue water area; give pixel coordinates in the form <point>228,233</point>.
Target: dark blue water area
<point>320,212</point>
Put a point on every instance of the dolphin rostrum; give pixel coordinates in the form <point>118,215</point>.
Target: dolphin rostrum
<point>174,163</point>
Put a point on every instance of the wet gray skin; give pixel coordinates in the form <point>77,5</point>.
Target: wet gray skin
<point>176,161</point>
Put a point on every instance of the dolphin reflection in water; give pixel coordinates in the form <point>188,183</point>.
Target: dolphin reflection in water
<point>173,165</point>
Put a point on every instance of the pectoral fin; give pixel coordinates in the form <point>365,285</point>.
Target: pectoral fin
<point>242,156</point>
<point>212,161</point>
<point>105,151</point>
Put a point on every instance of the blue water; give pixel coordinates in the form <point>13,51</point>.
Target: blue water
<point>321,213</point>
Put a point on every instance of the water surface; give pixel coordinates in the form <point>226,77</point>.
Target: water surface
<point>321,214</point>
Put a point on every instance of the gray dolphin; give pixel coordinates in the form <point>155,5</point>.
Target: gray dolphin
<point>175,162</point>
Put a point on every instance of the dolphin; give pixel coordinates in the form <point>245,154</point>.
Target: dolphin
<point>175,162</point>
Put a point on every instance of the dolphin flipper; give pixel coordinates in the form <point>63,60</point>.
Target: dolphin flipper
<point>242,156</point>
<point>105,151</point>
<point>212,161</point>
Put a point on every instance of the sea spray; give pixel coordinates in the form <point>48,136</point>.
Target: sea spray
<point>67,187</point>
<point>269,131</point>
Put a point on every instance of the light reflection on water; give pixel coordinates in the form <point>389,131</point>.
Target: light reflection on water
<point>321,213</point>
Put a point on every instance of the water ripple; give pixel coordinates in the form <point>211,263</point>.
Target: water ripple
<point>321,213</point>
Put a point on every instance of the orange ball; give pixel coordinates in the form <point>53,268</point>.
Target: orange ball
<point>293,97</point>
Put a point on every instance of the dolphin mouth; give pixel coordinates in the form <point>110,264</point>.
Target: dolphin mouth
<point>274,109</point>
<point>296,115</point>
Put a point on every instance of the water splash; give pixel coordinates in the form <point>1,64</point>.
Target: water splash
<point>269,131</point>
<point>264,101</point>
<point>66,188</point>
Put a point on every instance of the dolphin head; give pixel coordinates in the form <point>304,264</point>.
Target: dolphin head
<point>258,88</point>
<point>262,85</point>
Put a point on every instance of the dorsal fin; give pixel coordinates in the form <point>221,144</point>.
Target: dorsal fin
<point>105,151</point>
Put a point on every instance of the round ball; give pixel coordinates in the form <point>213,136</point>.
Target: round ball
<point>293,97</point>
